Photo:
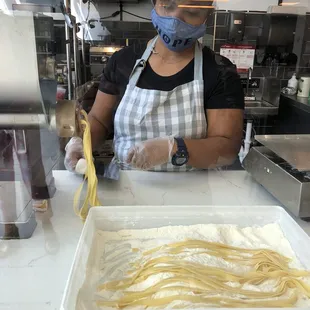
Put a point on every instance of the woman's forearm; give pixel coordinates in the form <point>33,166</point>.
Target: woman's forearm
<point>99,132</point>
<point>101,118</point>
<point>212,152</point>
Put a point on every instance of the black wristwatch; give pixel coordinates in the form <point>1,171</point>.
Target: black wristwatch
<point>181,157</point>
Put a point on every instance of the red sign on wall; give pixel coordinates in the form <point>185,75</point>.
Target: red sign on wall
<point>240,55</point>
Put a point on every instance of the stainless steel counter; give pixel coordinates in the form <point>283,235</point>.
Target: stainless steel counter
<point>298,102</point>
<point>294,149</point>
<point>260,108</point>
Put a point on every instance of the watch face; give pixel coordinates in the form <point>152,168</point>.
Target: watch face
<point>180,161</point>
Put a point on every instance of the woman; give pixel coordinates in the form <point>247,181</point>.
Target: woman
<point>181,105</point>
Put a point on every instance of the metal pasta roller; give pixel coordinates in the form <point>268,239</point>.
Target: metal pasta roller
<point>27,106</point>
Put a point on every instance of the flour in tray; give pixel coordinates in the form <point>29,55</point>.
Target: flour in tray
<point>111,255</point>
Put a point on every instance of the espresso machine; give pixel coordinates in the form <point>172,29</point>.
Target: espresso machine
<point>27,105</point>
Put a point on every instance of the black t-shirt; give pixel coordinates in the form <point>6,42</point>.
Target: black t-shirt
<point>222,86</point>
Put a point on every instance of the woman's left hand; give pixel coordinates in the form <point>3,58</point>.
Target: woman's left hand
<point>151,153</point>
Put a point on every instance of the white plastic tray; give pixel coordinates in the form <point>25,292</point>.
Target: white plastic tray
<point>140,217</point>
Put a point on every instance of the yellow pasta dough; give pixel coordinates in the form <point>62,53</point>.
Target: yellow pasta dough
<point>91,198</point>
<point>201,284</point>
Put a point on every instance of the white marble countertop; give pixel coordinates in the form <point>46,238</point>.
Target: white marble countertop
<point>33,272</point>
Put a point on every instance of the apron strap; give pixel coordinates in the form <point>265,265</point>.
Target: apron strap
<point>141,63</point>
<point>198,71</point>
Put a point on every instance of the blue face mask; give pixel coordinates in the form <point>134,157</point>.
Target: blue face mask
<point>176,34</point>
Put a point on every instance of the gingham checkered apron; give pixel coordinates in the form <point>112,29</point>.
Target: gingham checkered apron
<point>145,114</point>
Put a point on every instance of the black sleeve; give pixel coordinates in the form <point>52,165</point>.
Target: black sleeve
<point>108,83</point>
<point>227,92</point>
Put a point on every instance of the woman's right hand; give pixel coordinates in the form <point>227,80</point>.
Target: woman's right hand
<point>74,152</point>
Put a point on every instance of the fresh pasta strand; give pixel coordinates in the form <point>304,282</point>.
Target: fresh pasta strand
<point>216,277</point>
<point>261,259</point>
<point>91,199</point>
<point>198,283</point>
<point>178,247</point>
<point>198,299</point>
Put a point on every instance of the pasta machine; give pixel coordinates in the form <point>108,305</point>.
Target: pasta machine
<point>27,100</point>
<point>28,88</point>
<point>27,104</point>
<point>282,166</point>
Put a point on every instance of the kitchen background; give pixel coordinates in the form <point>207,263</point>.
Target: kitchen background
<point>279,54</point>
<point>140,32</point>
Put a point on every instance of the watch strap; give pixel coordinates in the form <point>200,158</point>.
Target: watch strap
<point>181,146</point>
